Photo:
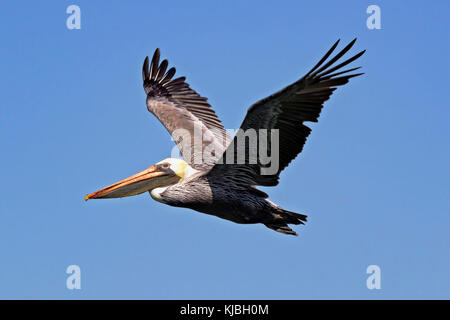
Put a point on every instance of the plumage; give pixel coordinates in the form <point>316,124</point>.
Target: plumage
<point>287,110</point>
<point>219,175</point>
<point>177,106</point>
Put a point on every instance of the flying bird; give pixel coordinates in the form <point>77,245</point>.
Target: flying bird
<point>215,185</point>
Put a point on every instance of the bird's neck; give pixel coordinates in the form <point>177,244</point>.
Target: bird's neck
<point>188,172</point>
<point>156,193</point>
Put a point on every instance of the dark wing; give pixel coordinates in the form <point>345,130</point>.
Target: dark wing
<point>192,123</point>
<point>285,110</point>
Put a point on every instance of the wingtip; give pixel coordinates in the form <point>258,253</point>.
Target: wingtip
<point>156,54</point>
<point>154,64</point>
<point>145,69</point>
<point>146,61</point>
<point>359,54</point>
<point>350,45</point>
<point>355,75</point>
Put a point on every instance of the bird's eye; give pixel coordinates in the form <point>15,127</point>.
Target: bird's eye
<point>165,165</point>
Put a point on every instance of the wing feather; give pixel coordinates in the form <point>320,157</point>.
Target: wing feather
<point>286,111</point>
<point>181,109</point>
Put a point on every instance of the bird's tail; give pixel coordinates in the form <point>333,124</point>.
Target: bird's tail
<point>285,217</point>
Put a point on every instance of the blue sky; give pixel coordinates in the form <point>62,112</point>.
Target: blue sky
<point>373,178</point>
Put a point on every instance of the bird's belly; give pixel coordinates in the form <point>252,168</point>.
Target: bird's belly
<point>235,205</point>
<point>239,210</point>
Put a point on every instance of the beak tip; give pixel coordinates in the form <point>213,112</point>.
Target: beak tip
<point>86,198</point>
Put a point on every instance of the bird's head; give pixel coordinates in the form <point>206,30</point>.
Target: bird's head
<point>163,174</point>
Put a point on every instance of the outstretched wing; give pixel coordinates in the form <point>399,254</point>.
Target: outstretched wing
<point>285,110</point>
<point>187,116</point>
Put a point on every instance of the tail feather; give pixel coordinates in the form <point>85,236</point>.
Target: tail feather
<point>293,217</point>
<point>283,218</point>
<point>281,227</point>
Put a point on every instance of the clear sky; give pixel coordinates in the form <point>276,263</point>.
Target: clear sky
<point>374,177</point>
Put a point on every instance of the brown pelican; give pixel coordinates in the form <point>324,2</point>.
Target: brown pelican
<point>214,185</point>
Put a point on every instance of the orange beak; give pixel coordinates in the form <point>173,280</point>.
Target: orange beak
<point>139,183</point>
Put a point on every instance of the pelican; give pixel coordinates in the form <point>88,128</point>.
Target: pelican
<point>213,185</point>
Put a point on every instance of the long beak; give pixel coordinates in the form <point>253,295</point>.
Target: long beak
<point>136,184</point>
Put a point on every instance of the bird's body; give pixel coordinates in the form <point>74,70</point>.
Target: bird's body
<point>216,198</point>
<point>219,175</point>
<point>232,202</point>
